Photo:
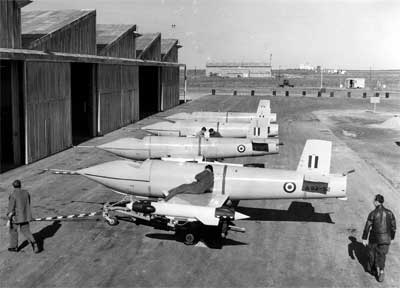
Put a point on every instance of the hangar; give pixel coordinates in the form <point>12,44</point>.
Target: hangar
<point>63,83</point>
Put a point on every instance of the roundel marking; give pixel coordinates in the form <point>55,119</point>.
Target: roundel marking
<point>289,187</point>
<point>241,148</point>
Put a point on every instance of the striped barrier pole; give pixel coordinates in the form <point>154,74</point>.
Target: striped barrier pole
<point>67,217</point>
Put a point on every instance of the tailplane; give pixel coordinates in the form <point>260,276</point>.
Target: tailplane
<point>316,157</point>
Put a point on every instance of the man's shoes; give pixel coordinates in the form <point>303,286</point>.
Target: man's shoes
<point>14,249</point>
<point>35,247</point>
<point>381,276</point>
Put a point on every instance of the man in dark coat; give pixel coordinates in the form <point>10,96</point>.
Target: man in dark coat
<point>381,227</point>
<point>204,183</point>
<point>19,215</point>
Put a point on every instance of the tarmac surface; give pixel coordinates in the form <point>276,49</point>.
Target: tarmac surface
<point>279,249</point>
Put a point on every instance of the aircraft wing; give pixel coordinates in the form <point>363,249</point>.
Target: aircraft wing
<point>205,199</point>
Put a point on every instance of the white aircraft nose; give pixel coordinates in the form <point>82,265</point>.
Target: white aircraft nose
<point>124,147</point>
<point>240,216</point>
<point>113,169</point>
<point>121,144</point>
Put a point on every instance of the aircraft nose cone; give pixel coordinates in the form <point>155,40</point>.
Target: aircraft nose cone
<point>113,169</point>
<point>240,216</point>
<point>124,147</point>
<point>123,143</point>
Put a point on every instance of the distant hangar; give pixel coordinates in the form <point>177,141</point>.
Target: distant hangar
<point>239,70</point>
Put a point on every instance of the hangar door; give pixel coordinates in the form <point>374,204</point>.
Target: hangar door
<point>83,102</point>
<point>149,90</point>
<point>11,115</point>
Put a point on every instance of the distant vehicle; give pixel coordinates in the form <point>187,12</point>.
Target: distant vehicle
<point>286,83</point>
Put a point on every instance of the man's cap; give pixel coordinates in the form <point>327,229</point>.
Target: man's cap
<point>204,129</point>
<point>211,130</point>
<point>379,198</point>
<point>210,168</point>
<point>17,184</point>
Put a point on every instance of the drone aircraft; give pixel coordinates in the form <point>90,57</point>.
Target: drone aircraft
<point>263,111</point>
<point>151,180</point>
<point>190,148</point>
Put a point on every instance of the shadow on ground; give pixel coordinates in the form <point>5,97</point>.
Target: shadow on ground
<point>210,240</point>
<point>47,232</point>
<point>358,251</point>
<point>298,211</point>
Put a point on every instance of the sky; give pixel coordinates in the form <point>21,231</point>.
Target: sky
<point>345,34</point>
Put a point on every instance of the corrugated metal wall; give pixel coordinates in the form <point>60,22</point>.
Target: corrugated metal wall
<point>118,96</point>
<point>79,38</point>
<point>123,48</point>
<point>48,108</point>
<point>170,87</point>
<point>10,25</point>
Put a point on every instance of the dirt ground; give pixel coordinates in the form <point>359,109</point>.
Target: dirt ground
<point>279,248</point>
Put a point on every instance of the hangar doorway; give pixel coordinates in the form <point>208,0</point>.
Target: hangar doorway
<point>12,124</point>
<point>83,103</point>
<point>149,90</point>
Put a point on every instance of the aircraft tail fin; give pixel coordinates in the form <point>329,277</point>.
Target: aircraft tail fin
<point>316,157</point>
<point>264,108</point>
<point>259,128</point>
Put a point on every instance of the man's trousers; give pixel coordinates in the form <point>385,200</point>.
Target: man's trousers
<point>24,229</point>
<point>377,255</point>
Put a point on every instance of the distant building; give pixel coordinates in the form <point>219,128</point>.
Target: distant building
<point>238,70</point>
<point>306,67</point>
<point>355,83</point>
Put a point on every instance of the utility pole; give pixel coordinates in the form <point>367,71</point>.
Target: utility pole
<point>370,77</point>
<point>321,76</point>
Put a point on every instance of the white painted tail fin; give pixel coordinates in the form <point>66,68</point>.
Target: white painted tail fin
<point>263,109</point>
<point>316,157</point>
<point>259,128</point>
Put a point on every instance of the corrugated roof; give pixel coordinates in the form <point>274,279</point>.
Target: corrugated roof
<point>145,40</point>
<point>47,21</point>
<point>167,44</point>
<point>239,64</point>
<point>108,33</point>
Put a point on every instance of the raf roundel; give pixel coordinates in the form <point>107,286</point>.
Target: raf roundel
<point>241,148</point>
<point>289,187</point>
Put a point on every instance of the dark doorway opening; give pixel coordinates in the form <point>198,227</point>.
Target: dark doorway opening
<point>12,148</point>
<point>83,104</point>
<point>149,91</point>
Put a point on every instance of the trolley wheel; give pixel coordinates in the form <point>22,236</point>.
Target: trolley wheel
<point>190,238</point>
<point>112,221</point>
